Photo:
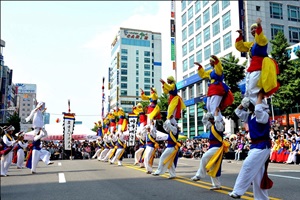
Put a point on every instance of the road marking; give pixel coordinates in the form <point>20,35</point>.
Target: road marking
<point>59,164</point>
<point>61,178</point>
<point>201,184</point>
<point>289,170</point>
<point>291,177</point>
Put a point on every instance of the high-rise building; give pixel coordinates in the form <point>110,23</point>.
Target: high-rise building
<point>136,62</point>
<point>207,28</point>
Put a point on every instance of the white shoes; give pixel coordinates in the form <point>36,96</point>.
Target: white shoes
<point>233,195</point>
<point>195,178</point>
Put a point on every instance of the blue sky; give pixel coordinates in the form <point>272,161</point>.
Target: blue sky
<point>64,47</point>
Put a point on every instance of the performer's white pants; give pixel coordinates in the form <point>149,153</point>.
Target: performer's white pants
<point>212,103</point>
<point>292,157</point>
<point>201,173</point>
<point>20,158</point>
<point>138,155</point>
<point>97,154</point>
<point>43,133</point>
<point>6,162</point>
<point>45,156</point>
<point>117,154</point>
<point>35,159</point>
<point>105,159</point>
<point>103,154</point>
<point>163,168</point>
<point>252,172</point>
<point>252,89</point>
<point>148,153</point>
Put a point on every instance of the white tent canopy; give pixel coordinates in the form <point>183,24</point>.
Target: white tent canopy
<point>55,132</point>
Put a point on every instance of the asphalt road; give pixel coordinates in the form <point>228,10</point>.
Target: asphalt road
<point>91,179</point>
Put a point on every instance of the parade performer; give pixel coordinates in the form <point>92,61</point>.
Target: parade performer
<point>218,94</point>
<point>7,153</point>
<point>121,146</point>
<point>100,148</point>
<point>168,159</point>
<point>254,168</point>
<point>141,136</point>
<point>211,161</point>
<point>106,148</point>
<point>153,110</point>
<point>142,117</point>
<point>262,72</point>
<point>112,120</point>
<point>151,147</point>
<point>39,133</point>
<point>21,145</point>
<point>122,122</point>
<point>175,102</point>
<point>110,142</point>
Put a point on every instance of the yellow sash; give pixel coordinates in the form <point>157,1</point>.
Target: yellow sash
<point>9,137</point>
<point>155,148</point>
<point>214,163</point>
<point>113,151</point>
<point>172,156</point>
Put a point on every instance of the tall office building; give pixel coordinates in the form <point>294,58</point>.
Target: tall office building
<point>135,63</point>
<point>207,28</point>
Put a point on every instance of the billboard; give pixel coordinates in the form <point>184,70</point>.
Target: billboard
<point>24,88</point>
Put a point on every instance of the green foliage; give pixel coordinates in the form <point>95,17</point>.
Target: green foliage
<point>288,94</point>
<point>163,102</point>
<point>14,120</point>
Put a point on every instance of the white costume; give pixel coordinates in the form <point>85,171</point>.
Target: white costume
<point>169,126</point>
<point>20,154</point>
<point>106,148</point>
<point>148,154</point>
<point>141,135</point>
<point>121,149</point>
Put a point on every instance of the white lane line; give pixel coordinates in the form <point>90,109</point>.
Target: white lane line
<point>61,178</point>
<point>289,170</point>
<point>290,177</point>
<point>59,164</point>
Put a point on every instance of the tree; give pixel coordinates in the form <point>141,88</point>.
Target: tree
<point>163,102</point>
<point>288,94</point>
<point>14,120</point>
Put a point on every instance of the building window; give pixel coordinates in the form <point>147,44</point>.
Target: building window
<point>183,19</point>
<point>147,87</point>
<point>216,27</point>
<point>205,3</point>
<point>275,29</point>
<point>184,34</point>
<point>137,79</point>
<point>123,92</point>
<point>276,10</point>
<point>191,45</point>
<point>198,22</point>
<point>137,59</point>
<point>191,28</point>
<point>191,61</point>
<point>225,4</point>
<point>147,73</point>
<point>184,93</point>
<point>147,66</point>
<point>206,16</point>
<point>124,78</point>
<point>137,66</point>
<point>147,80</point>
<point>294,34</point>
<point>183,5</point>
<point>257,8</point>
<point>199,56</point>
<point>137,52</point>
<point>207,52</point>
<point>123,85</point>
<point>146,53</point>
<point>124,51</point>
<point>190,12</point>
<point>216,47</point>
<point>123,72</point>
<point>124,65</point>
<point>227,41</point>
<point>146,60</point>
<point>184,65</point>
<point>184,49</point>
<point>215,9</point>
<point>206,34</point>
<point>226,20</point>
<point>293,14</point>
<point>197,6</point>
<point>124,58</point>
<point>137,72</point>
<point>199,89</point>
<point>191,92</point>
<point>198,39</point>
